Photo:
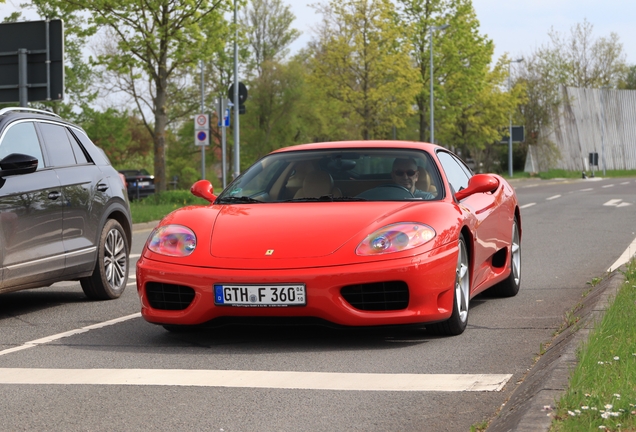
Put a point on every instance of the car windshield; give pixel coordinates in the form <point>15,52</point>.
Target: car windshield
<point>337,175</point>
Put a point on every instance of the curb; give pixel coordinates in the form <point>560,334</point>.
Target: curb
<point>146,226</point>
<point>530,407</point>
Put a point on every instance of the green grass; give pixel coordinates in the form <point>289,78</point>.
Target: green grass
<point>602,388</point>
<point>157,206</point>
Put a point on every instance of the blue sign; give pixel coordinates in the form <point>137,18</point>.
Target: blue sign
<point>202,135</point>
<point>226,119</point>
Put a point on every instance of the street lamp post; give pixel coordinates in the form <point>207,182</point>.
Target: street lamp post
<point>237,151</point>
<point>432,125</point>
<point>510,171</point>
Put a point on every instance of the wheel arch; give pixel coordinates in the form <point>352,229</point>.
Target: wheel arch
<point>120,213</point>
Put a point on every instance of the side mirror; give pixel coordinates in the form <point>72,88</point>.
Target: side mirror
<point>478,183</point>
<point>203,189</point>
<point>17,163</point>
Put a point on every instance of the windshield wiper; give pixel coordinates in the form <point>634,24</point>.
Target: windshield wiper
<point>325,198</point>
<point>237,200</point>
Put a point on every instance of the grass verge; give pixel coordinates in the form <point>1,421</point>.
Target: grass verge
<point>156,206</point>
<point>602,389</point>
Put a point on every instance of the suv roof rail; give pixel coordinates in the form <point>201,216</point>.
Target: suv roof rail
<point>38,111</point>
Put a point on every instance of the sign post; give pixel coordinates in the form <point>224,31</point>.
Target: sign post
<point>224,122</point>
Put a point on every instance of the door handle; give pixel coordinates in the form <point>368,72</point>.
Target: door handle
<point>102,187</point>
<point>54,195</point>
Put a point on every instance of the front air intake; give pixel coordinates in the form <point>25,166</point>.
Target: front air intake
<point>168,296</point>
<point>379,296</point>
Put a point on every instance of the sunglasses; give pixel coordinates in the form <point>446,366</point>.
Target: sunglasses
<point>400,173</point>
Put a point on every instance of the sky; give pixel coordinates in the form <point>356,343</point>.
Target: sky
<point>518,27</point>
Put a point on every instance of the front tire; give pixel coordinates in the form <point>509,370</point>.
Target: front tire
<point>456,324</point>
<point>110,275</point>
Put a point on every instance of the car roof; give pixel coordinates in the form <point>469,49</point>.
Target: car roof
<point>371,144</point>
<point>10,114</point>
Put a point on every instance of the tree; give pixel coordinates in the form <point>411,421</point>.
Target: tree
<point>629,82</point>
<point>362,62</point>
<point>155,40</point>
<point>478,128</point>
<point>123,137</point>
<point>273,108</point>
<point>461,59</point>
<point>267,26</point>
<point>579,60</point>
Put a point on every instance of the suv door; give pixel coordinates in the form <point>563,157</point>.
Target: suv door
<point>31,249</point>
<point>83,192</point>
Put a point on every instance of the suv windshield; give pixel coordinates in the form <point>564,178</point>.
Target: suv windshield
<point>337,175</point>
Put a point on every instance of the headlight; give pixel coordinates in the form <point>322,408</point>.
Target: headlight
<point>395,238</point>
<point>173,240</point>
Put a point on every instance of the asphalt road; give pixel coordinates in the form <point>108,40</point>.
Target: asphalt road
<point>65,365</point>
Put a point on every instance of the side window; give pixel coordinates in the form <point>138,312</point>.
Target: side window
<point>58,145</point>
<point>22,138</point>
<point>80,157</point>
<point>456,174</point>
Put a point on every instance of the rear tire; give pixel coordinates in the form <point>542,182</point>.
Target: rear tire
<point>110,275</point>
<point>458,321</point>
<point>510,286</point>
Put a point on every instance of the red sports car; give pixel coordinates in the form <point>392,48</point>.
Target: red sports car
<point>363,233</point>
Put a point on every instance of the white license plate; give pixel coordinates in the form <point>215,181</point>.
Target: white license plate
<point>259,295</point>
<point>144,183</point>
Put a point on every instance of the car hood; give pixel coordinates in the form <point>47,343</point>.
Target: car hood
<point>294,230</point>
<point>271,236</point>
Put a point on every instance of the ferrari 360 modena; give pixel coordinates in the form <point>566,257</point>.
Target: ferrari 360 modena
<point>362,233</point>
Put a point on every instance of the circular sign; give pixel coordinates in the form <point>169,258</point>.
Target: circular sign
<point>201,135</point>
<point>202,120</point>
<point>242,93</point>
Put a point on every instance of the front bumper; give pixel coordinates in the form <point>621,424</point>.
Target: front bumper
<point>430,278</point>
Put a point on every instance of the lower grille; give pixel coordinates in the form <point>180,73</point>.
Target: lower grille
<point>379,296</point>
<point>168,296</point>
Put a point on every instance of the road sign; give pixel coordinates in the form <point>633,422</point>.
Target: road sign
<point>201,122</point>
<point>518,135</point>
<point>225,121</point>
<point>201,138</point>
<point>31,61</point>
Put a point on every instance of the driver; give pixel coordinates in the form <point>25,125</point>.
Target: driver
<point>405,174</point>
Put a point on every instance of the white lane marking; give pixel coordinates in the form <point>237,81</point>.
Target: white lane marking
<point>258,379</point>
<point>134,255</point>
<point>616,203</point>
<point>625,257</point>
<point>529,186</point>
<point>608,186</point>
<point>48,339</point>
<point>527,205</point>
<point>625,183</point>
<point>586,190</point>
<point>553,197</point>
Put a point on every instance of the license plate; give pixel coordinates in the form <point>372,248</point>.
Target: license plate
<point>144,183</point>
<point>259,295</point>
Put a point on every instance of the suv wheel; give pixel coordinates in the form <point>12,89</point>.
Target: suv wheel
<point>110,275</point>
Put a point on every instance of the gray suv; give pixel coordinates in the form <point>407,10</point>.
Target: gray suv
<point>64,212</point>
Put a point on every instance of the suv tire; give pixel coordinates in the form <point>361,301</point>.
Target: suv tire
<point>110,275</point>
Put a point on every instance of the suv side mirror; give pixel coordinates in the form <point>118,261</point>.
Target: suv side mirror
<point>18,163</point>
